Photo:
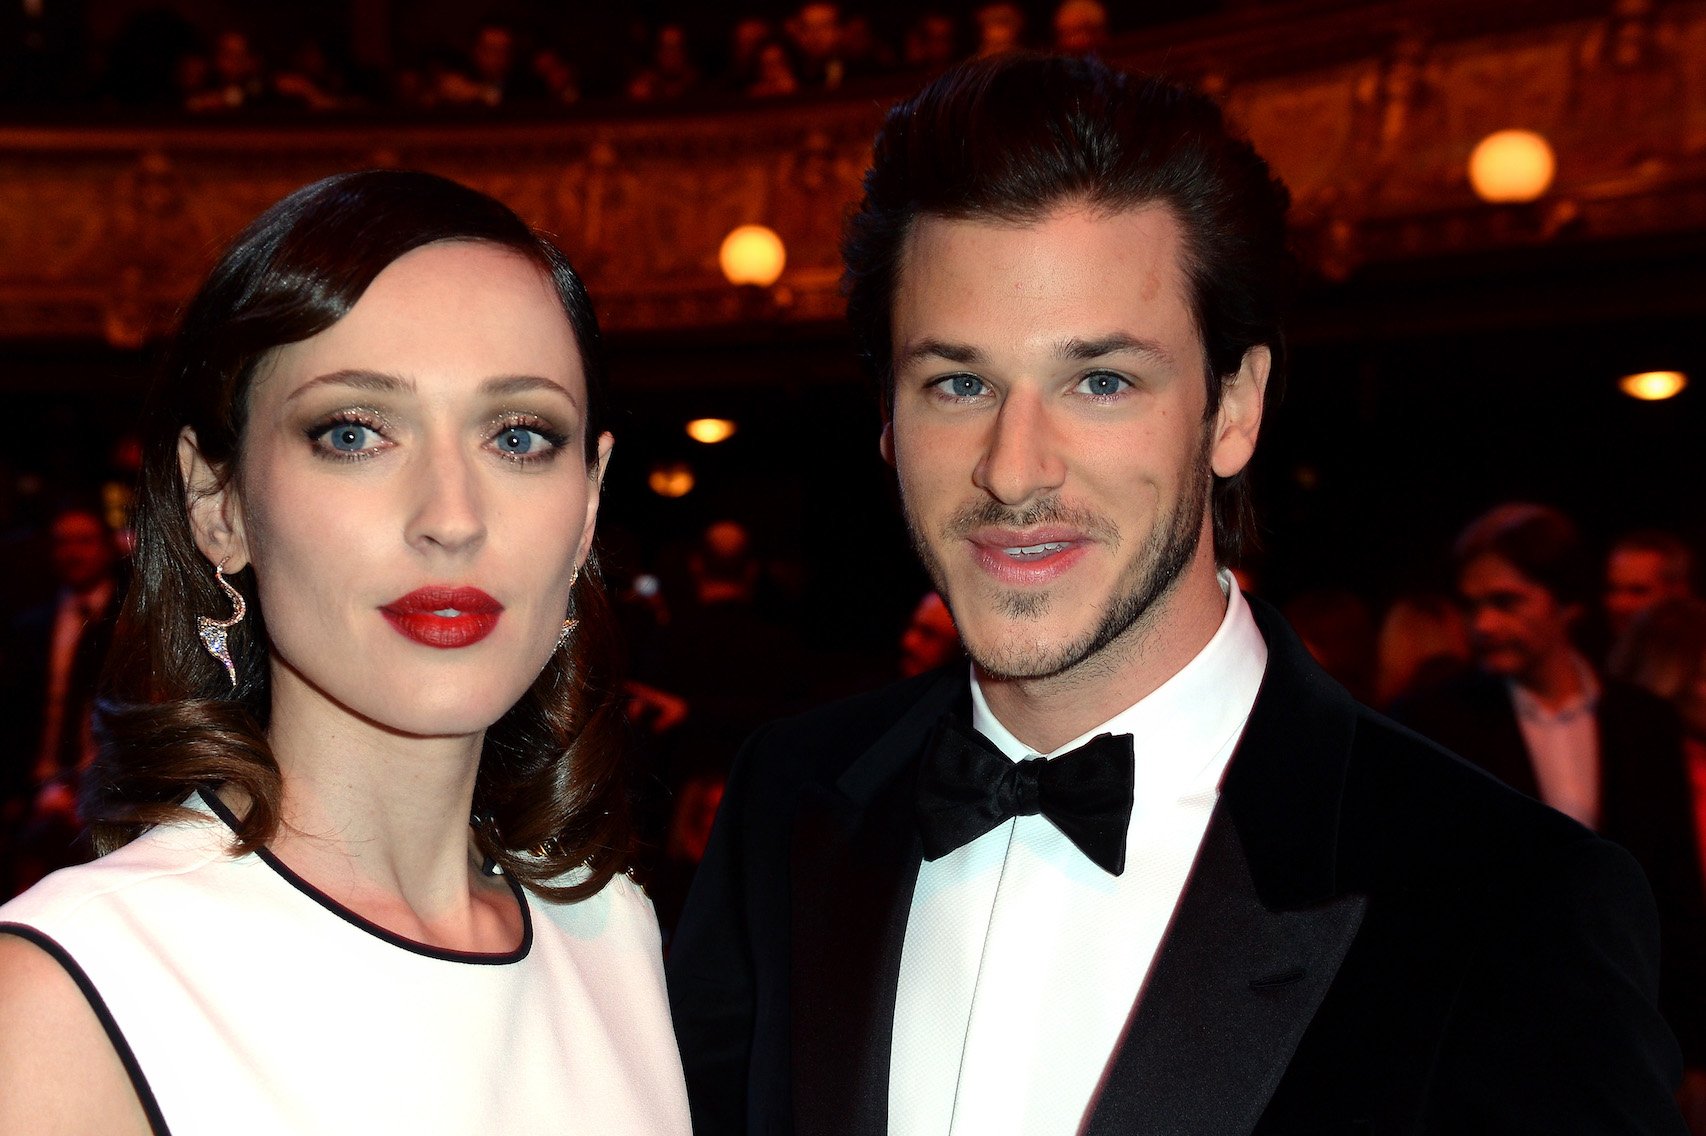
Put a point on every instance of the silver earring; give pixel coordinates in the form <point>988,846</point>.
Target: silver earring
<point>213,631</point>
<point>571,623</point>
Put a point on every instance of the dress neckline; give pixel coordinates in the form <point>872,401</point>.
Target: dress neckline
<point>211,800</point>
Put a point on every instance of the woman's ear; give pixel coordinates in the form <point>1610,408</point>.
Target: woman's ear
<point>216,515</point>
<point>595,473</point>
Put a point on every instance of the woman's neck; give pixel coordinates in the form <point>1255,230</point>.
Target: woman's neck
<point>380,822</point>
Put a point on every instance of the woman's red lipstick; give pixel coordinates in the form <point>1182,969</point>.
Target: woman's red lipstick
<point>444,617</point>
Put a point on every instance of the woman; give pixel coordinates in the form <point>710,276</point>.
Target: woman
<point>1664,650</point>
<point>362,615</point>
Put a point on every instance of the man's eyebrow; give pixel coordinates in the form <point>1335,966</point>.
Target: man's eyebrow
<point>1119,343</point>
<point>359,379</point>
<point>940,349</point>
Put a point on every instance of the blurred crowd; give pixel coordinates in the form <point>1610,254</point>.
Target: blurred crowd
<point>160,60</point>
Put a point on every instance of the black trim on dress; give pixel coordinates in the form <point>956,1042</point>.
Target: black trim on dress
<point>138,1081</point>
<point>475,958</point>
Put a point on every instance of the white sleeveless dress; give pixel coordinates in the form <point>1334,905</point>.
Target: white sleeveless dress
<point>243,1000</point>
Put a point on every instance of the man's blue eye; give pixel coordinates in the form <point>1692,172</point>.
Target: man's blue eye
<point>1103,383</point>
<point>349,437</point>
<point>965,386</point>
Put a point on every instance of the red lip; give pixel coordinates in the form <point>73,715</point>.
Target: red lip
<point>416,616</point>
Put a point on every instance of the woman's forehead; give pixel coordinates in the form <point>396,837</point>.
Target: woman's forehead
<point>451,311</point>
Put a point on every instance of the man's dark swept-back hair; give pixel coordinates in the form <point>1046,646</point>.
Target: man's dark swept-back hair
<point>1539,541</point>
<point>1013,137</point>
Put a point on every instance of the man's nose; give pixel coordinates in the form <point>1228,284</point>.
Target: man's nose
<point>1021,459</point>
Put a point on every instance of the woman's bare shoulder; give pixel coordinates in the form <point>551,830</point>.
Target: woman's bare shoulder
<point>59,1072</point>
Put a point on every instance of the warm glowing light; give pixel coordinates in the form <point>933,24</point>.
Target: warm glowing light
<point>752,254</point>
<point>1511,166</point>
<point>710,430</point>
<point>1653,386</point>
<point>671,479</point>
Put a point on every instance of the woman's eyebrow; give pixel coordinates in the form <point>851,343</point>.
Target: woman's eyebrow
<point>361,379</point>
<point>358,379</point>
<point>519,384</point>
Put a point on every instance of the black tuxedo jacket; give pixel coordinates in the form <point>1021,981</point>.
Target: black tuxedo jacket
<point>1646,805</point>
<point>1375,938</point>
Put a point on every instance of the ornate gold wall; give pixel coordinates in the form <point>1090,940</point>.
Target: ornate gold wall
<point>1369,112</point>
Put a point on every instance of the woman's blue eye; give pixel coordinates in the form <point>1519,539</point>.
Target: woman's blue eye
<point>349,437</point>
<point>519,440</point>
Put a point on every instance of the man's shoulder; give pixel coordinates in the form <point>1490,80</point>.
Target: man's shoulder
<point>1636,704</point>
<point>1413,805</point>
<point>819,744</point>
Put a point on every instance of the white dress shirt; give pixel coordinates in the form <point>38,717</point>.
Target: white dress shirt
<point>1022,959</point>
<point>1563,746</point>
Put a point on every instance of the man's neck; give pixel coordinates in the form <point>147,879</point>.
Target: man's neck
<point>1046,713</point>
<point>1555,680</point>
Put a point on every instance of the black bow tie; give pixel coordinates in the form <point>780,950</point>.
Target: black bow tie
<point>966,787</point>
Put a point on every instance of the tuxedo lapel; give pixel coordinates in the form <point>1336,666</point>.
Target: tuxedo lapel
<point>1229,997</point>
<point>1261,928</point>
<point>855,859</point>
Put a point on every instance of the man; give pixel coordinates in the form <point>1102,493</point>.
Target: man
<point>930,638</point>
<point>52,657</point>
<point>1301,918</point>
<point>1643,570</point>
<point>1536,716</point>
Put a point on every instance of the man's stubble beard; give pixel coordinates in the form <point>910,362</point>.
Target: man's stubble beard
<point>1167,551</point>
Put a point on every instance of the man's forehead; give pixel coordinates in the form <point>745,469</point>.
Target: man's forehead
<point>1158,218</point>
<point>1490,572</point>
<point>1075,252</point>
<point>1636,562</point>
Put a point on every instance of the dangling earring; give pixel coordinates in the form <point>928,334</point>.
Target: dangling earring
<point>213,631</point>
<point>571,623</point>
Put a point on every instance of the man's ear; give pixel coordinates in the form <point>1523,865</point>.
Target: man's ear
<point>885,440</point>
<point>1239,419</point>
<point>216,515</point>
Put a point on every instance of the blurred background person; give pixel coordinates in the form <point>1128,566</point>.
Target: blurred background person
<point>52,660</point>
<point>1664,651</point>
<point>1000,27</point>
<point>820,62</point>
<point>236,80</point>
<point>1644,569</point>
<point>670,73</point>
<point>772,71</point>
<point>693,811</point>
<point>931,42</point>
<point>1338,629</point>
<point>1080,27</point>
<point>1534,714</point>
<point>1422,642</point>
<point>930,639</point>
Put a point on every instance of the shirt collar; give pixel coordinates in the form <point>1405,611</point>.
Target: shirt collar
<point>1183,729</point>
<point>1529,706</point>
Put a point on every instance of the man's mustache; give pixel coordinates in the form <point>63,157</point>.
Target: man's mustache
<point>1049,511</point>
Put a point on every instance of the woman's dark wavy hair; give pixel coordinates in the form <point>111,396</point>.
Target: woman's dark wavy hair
<point>552,792</point>
<point>1012,137</point>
